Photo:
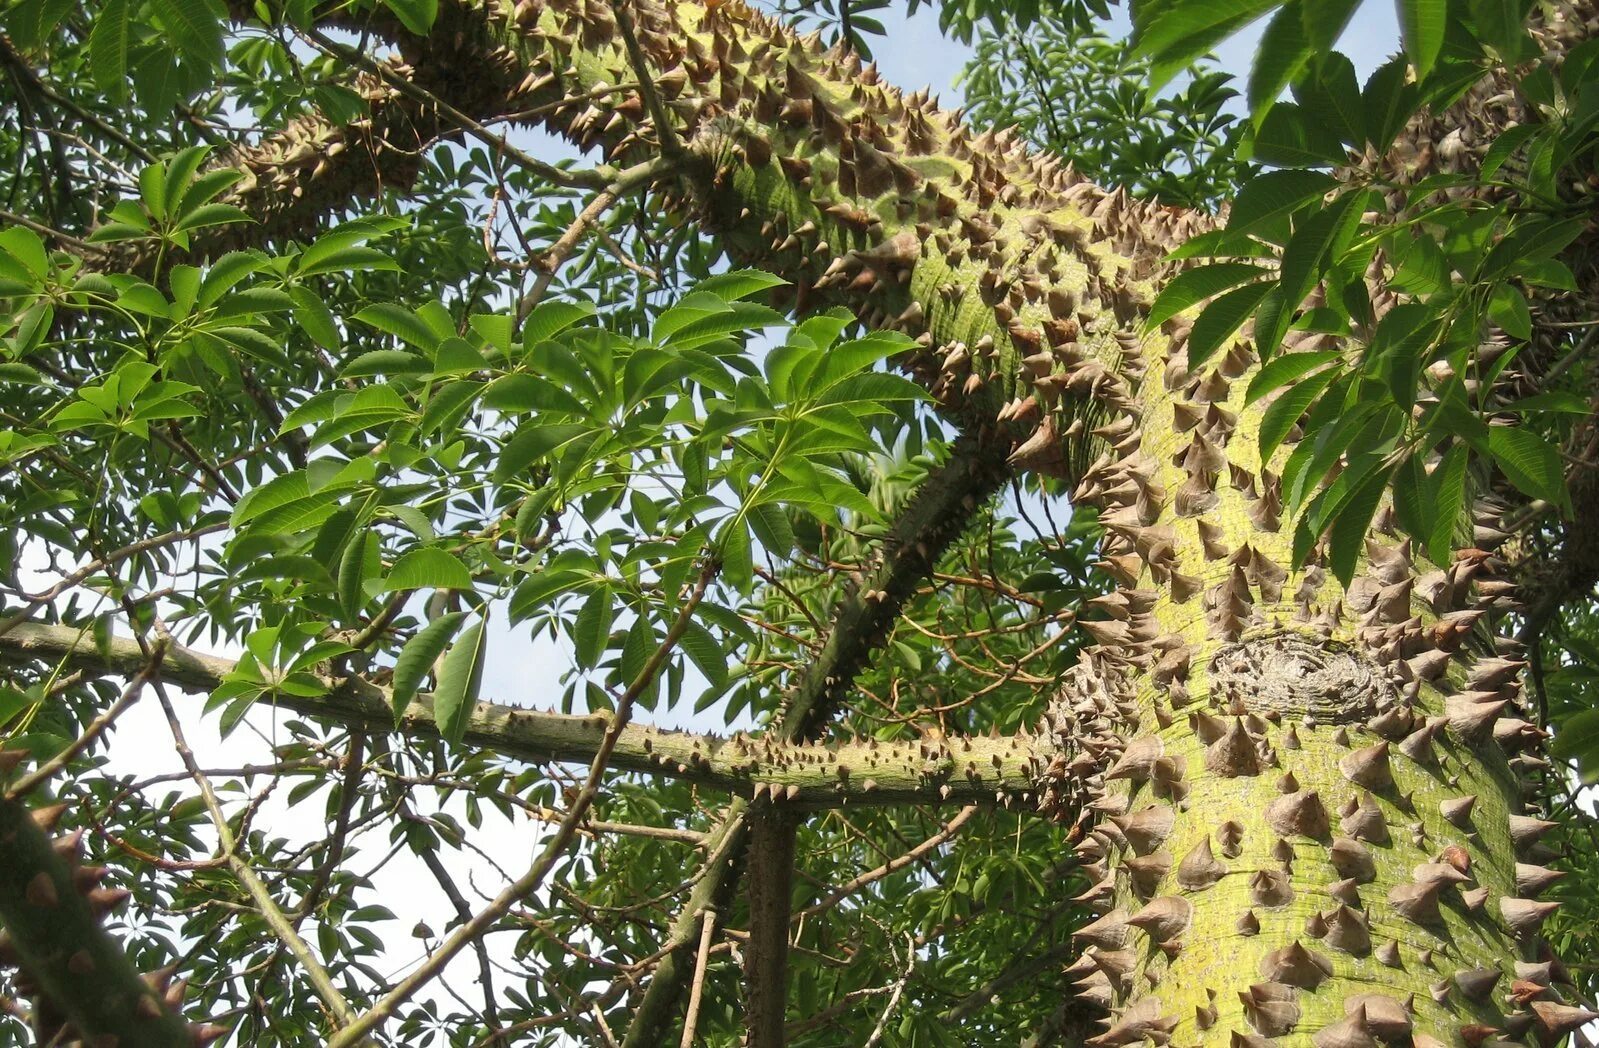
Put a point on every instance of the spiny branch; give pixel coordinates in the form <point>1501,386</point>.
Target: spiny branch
<point>87,989</point>
<point>959,771</point>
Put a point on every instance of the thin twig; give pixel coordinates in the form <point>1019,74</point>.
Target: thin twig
<point>268,908</point>
<point>670,144</point>
<point>596,178</point>
<point>523,886</point>
<point>82,247</point>
<point>562,249</point>
<point>697,989</point>
<point>897,863</point>
<point>35,601</point>
<point>893,998</point>
<point>97,727</point>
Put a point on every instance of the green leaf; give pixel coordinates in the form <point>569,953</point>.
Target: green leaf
<point>1347,535</point>
<point>1420,265</point>
<point>385,362</point>
<point>1548,272</point>
<point>534,441</point>
<point>1501,25</point>
<point>312,314</point>
<point>495,329</point>
<point>428,567</point>
<point>1330,96</point>
<point>1529,462</point>
<point>1422,23</point>
<point>194,28</point>
<point>417,658</point>
<point>362,561</point>
<point>1269,198</point>
<point>1507,307</point>
<point>334,250</point>
<point>772,527</point>
<point>1288,137</point>
<point>1505,142</point>
<point>1546,403</point>
<point>1176,32</point>
<point>1389,99</point>
<point>31,22</point>
<point>371,406</point>
<point>21,374</point>
<point>1281,370</point>
<point>1220,243</point>
<point>1578,736</point>
<point>279,491</point>
<point>447,405</point>
<point>1222,319</point>
<point>109,38</point>
<point>858,355</point>
<point>706,652</point>
<point>343,258</point>
<point>26,247</point>
<point>1325,21</point>
<point>1413,508</point>
<point>739,283</point>
<point>415,15</point>
<point>460,680</point>
<point>457,356</point>
<point>738,565</point>
<point>637,648</point>
<point>1321,235</point>
<point>1447,486</point>
<point>1287,409</point>
<point>1193,286</point>
<point>520,393</point>
<point>591,630</point>
<point>551,318</point>
<point>1284,50</point>
<point>226,272</point>
<point>872,392</point>
<point>736,318</point>
<point>540,589</point>
<point>400,322</point>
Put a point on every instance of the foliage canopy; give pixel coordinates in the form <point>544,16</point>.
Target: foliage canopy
<point>482,425</point>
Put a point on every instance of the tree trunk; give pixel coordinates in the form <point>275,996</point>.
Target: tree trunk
<point>1307,825</point>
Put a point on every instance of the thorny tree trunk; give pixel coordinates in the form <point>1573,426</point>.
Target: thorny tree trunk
<point>1304,823</point>
<point>1307,821</point>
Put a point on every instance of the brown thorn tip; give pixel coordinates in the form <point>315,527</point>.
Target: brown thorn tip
<point>48,816</point>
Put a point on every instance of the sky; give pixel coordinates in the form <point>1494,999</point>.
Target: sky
<point>914,54</point>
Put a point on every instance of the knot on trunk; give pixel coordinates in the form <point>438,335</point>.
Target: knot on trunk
<point>1299,676</point>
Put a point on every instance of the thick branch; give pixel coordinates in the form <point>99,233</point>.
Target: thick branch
<point>859,194</point>
<point>771,879</point>
<point>797,775</point>
<point>51,912</point>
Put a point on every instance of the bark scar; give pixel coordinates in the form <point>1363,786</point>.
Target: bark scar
<point>1288,673</point>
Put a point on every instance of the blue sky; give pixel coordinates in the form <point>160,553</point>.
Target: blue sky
<point>915,54</point>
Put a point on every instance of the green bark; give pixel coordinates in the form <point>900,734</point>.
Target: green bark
<point>51,907</point>
<point>801,775</point>
<point>1309,830</point>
